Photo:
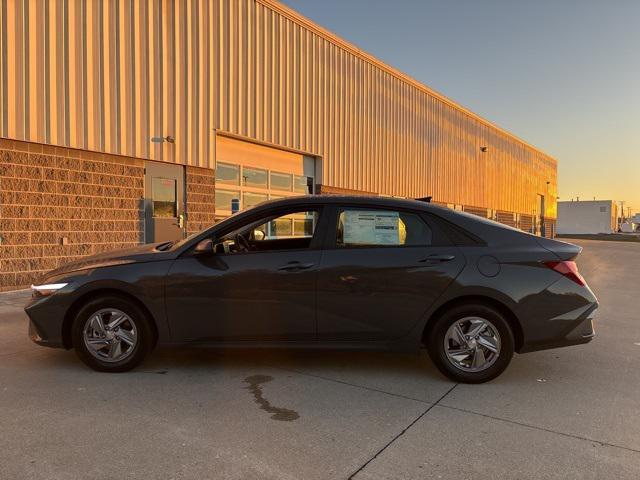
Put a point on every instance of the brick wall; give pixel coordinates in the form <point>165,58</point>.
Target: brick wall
<point>57,204</point>
<point>200,199</point>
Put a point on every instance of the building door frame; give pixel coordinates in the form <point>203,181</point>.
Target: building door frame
<point>166,180</point>
<point>542,230</point>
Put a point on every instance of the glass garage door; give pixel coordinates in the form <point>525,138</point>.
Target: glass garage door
<point>248,174</point>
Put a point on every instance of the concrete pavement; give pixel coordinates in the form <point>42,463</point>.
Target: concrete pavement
<point>566,413</point>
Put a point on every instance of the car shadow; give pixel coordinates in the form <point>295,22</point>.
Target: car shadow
<point>336,364</point>
<point>310,362</point>
<point>404,374</point>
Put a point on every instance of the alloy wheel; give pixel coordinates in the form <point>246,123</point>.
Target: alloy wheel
<point>110,335</point>
<point>472,344</point>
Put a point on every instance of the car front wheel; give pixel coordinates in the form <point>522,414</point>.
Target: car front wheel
<point>111,334</point>
<point>471,343</point>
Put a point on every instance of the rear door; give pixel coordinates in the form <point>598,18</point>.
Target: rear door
<point>380,271</point>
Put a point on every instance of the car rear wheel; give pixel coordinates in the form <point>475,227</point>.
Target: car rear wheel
<point>471,343</point>
<point>111,334</point>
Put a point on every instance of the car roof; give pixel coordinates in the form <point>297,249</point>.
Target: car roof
<point>483,228</point>
<point>364,200</point>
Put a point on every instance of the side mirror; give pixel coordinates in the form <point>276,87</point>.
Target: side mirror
<point>204,247</point>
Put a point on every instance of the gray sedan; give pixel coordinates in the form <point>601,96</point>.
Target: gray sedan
<point>326,271</point>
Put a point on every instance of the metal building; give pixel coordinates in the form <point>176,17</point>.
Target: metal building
<point>587,217</point>
<point>111,108</point>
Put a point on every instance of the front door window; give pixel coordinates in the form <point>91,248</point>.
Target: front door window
<point>289,231</point>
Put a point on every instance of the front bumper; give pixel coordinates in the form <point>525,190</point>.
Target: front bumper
<point>36,337</point>
<point>46,320</point>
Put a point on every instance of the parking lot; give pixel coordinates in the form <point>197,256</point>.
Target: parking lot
<point>566,413</point>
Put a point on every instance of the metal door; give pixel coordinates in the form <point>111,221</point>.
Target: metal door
<point>541,230</point>
<point>164,202</point>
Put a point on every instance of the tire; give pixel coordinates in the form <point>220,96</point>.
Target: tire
<point>116,349</point>
<point>460,359</point>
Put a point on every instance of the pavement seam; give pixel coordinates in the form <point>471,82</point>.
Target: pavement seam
<point>534,427</point>
<point>371,389</point>
<point>401,433</point>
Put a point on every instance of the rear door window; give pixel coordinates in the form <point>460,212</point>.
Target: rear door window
<point>381,228</point>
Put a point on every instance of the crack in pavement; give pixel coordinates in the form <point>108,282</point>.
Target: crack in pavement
<point>401,433</point>
<point>514,422</point>
<point>363,387</point>
<point>543,429</point>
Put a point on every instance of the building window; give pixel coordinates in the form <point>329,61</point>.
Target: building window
<point>301,185</point>
<point>164,196</point>
<point>228,173</point>
<point>381,228</point>
<point>254,177</point>
<point>251,199</point>
<point>224,198</point>
<point>301,224</point>
<point>303,227</point>
<point>281,181</point>
<point>281,227</point>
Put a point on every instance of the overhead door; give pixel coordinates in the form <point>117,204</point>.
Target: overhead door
<point>248,174</point>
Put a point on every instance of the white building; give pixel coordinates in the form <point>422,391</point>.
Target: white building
<point>587,217</point>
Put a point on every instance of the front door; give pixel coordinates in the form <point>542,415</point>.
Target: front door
<point>258,284</point>
<point>164,202</point>
<point>386,269</point>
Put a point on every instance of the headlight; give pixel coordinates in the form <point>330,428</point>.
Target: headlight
<point>47,289</point>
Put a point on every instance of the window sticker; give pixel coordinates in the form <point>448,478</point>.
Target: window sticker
<point>365,227</point>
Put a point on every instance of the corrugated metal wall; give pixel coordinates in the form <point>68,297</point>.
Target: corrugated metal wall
<point>109,75</point>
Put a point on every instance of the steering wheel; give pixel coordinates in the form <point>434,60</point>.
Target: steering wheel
<point>242,242</point>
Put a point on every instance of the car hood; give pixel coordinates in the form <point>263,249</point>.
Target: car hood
<point>138,254</point>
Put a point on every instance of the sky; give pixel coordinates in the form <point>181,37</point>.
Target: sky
<point>563,75</point>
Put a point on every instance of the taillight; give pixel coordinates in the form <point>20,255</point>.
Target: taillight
<point>569,270</point>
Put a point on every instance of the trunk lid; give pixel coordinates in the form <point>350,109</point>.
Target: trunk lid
<point>563,250</point>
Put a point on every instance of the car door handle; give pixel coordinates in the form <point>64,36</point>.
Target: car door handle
<point>295,266</point>
<point>435,258</point>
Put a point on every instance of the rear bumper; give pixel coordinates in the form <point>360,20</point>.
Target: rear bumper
<point>581,330</point>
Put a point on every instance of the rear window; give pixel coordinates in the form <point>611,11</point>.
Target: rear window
<point>381,228</point>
